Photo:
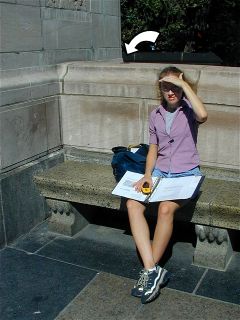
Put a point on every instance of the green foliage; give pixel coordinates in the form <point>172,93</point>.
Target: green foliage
<point>190,25</point>
<point>224,30</point>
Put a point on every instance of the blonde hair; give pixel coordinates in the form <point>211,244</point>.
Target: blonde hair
<point>175,71</point>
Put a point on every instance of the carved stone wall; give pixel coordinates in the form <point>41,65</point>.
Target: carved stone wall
<point>67,4</point>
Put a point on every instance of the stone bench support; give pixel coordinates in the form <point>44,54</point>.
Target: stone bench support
<point>213,249</point>
<point>65,219</point>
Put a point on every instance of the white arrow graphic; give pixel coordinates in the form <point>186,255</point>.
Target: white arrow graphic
<point>143,36</point>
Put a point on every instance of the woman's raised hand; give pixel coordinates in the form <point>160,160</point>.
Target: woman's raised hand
<point>177,81</point>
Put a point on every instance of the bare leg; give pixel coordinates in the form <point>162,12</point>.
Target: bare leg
<point>164,228</point>
<point>140,232</point>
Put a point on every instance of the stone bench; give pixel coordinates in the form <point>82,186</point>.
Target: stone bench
<point>214,212</point>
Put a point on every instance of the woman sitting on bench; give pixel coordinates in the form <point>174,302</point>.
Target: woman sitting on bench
<point>172,153</point>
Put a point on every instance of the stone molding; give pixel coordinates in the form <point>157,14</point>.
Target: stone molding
<point>23,77</point>
<point>211,234</point>
<point>113,79</point>
<point>216,85</point>
<point>25,84</point>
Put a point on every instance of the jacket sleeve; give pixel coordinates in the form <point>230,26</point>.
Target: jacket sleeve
<point>153,139</point>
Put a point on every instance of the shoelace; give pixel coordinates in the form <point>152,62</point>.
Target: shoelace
<point>143,279</point>
<point>150,280</point>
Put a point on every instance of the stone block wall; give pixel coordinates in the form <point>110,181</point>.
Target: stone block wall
<point>36,36</point>
<point>46,32</point>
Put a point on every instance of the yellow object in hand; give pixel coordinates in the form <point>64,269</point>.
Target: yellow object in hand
<point>145,188</point>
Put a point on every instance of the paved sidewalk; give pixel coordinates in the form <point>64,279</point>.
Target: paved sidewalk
<point>48,276</point>
<point>105,298</point>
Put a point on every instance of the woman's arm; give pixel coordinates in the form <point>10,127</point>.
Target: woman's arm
<point>151,160</point>
<point>150,164</point>
<point>197,105</point>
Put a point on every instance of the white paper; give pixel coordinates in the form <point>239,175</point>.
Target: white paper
<point>125,187</point>
<point>134,150</point>
<point>166,189</point>
<point>175,188</point>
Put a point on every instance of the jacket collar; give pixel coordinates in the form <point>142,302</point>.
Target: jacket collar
<point>162,110</point>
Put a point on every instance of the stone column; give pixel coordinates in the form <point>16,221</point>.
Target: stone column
<point>65,219</point>
<point>213,249</point>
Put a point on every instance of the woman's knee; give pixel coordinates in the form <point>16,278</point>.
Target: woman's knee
<point>134,207</point>
<point>166,211</point>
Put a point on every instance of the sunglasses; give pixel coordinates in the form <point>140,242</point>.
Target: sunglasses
<point>165,87</point>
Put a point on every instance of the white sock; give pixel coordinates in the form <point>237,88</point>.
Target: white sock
<point>153,269</point>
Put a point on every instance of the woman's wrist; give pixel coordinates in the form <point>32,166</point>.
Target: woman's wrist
<point>185,85</point>
<point>148,174</point>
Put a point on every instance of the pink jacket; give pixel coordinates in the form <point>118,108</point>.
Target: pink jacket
<point>177,151</point>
